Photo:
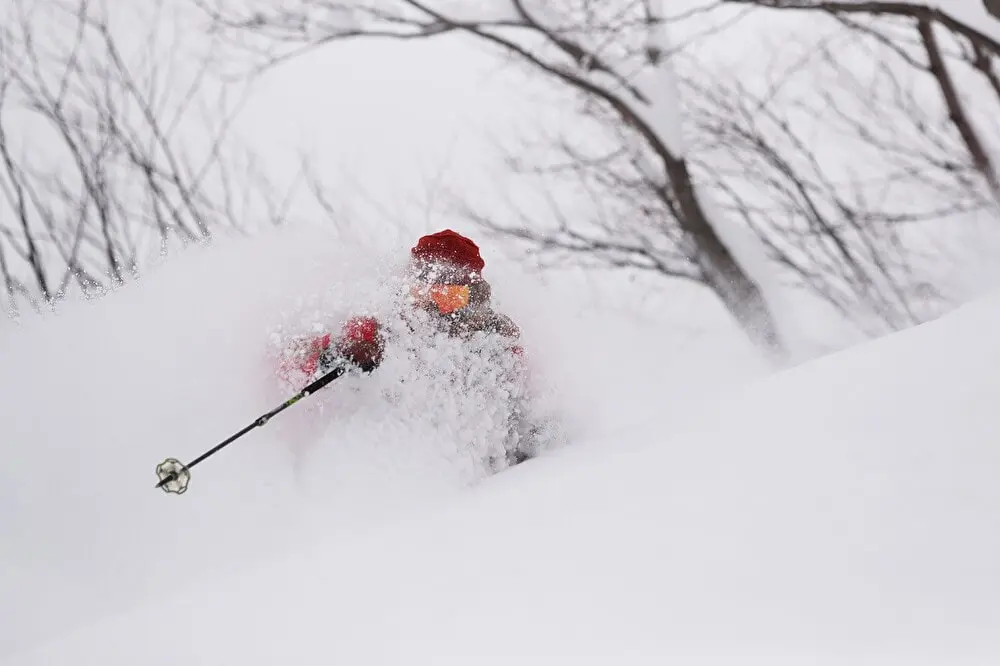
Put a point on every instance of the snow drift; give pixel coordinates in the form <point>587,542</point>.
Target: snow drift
<point>844,512</point>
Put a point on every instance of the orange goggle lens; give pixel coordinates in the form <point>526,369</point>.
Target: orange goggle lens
<point>447,297</point>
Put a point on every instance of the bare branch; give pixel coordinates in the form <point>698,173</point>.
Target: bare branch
<point>885,8</point>
<point>956,108</point>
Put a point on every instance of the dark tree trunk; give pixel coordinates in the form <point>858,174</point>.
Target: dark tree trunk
<point>722,272</point>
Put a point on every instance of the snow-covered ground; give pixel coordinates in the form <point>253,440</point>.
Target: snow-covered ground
<point>846,511</point>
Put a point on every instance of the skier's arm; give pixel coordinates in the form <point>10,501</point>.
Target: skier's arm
<point>301,358</point>
<point>360,343</point>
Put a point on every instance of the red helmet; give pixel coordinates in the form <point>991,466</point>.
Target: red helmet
<point>449,247</point>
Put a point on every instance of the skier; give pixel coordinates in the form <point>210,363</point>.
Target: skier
<point>448,294</point>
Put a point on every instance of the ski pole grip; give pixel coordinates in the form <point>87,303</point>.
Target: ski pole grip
<point>324,380</point>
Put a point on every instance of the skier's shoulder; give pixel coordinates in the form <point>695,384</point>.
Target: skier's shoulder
<point>490,320</point>
<point>502,324</point>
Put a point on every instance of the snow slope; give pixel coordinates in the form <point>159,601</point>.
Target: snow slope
<point>844,512</point>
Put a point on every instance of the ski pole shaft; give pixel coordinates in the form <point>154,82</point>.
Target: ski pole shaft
<point>260,422</point>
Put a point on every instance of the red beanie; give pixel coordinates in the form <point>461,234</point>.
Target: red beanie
<point>452,247</point>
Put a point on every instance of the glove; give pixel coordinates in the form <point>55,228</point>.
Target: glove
<point>304,358</point>
<point>361,343</point>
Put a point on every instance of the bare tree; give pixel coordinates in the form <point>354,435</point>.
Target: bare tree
<point>970,46</point>
<point>109,156</point>
<point>615,57</point>
<point>845,240</point>
<point>910,103</point>
<point>851,234</point>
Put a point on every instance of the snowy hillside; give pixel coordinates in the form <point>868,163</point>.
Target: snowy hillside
<point>844,512</point>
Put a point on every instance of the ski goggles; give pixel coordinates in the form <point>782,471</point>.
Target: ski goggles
<point>447,297</point>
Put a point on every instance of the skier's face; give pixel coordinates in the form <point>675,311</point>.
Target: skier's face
<point>436,287</point>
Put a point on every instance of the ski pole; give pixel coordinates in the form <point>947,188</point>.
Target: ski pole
<point>175,475</point>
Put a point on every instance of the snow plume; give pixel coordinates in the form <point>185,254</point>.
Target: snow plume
<point>440,411</point>
<point>93,398</point>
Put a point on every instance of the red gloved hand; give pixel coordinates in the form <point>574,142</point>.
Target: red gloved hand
<point>361,343</point>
